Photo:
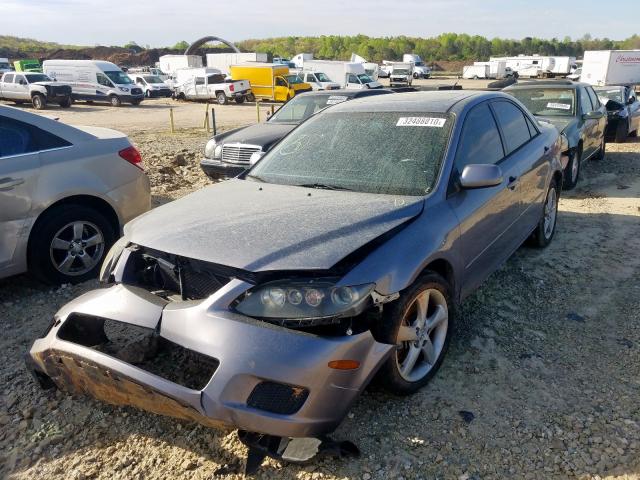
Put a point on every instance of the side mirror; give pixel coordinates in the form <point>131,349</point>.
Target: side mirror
<point>255,158</point>
<point>23,82</point>
<point>593,115</point>
<point>631,100</point>
<point>480,175</point>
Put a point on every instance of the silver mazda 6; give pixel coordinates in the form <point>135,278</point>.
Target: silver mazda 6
<point>270,301</point>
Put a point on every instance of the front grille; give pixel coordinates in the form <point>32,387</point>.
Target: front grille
<point>136,91</point>
<point>240,154</point>
<point>277,398</point>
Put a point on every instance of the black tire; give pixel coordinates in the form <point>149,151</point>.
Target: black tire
<point>41,238</point>
<point>601,151</point>
<point>115,101</point>
<point>239,100</point>
<point>389,375</point>
<point>221,98</point>
<point>18,102</point>
<point>38,101</point>
<point>136,102</point>
<point>66,103</point>
<point>415,75</point>
<point>543,234</point>
<point>622,132</point>
<point>89,102</point>
<point>475,77</point>
<point>251,97</point>
<point>572,171</point>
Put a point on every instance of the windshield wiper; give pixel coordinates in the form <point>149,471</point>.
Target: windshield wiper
<point>322,186</point>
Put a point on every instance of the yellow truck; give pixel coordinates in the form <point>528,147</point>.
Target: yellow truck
<point>269,81</point>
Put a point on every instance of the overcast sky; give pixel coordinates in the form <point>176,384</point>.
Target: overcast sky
<point>164,22</point>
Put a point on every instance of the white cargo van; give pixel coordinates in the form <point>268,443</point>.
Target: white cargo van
<point>94,81</point>
<point>318,81</point>
<point>152,85</point>
<point>611,67</point>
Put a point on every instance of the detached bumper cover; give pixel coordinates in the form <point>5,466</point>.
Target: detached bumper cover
<point>249,353</point>
<point>218,168</point>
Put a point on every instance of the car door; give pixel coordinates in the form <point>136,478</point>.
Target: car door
<point>281,89</point>
<point>485,215</point>
<point>7,85</point>
<point>590,140</point>
<point>353,82</point>
<point>602,122</point>
<point>634,110</point>
<point>20,88</point>
<point>19,168</point>
<point>524,146</point>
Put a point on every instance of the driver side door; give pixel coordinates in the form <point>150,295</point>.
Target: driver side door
<point>281,88</point>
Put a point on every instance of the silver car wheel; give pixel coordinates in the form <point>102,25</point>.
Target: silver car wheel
<point>422,335</point>
<point>76,248</point>
<point>575,164</point>
<point>550,213</point>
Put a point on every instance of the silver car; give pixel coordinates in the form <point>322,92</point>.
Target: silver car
<point>341,254</point>
<point>65,193</point>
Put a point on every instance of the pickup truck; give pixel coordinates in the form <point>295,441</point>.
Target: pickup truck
<point>202,84</point>
<point>36,88</point>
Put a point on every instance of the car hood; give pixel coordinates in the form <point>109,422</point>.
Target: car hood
<point>260,134</point>
<point>560,123</point>
<point>261,227</point>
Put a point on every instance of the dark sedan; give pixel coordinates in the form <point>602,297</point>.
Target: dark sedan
<point>574,109</point>
<point>228,154</point>
<point>623,110</point>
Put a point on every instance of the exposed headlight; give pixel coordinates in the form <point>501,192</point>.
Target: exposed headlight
<point>111,259</point>
<point>564,143</point>
<point>217,153</point>
<point>209,148</point>
<point>304,299</point>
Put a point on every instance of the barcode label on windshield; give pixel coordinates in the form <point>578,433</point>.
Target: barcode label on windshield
<point>561,106</point>
<point>421,122</point>
<point>335,99</point>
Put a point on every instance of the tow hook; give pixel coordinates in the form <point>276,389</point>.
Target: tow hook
<point>294,450</point>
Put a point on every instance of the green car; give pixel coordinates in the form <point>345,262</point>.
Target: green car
<point>575,110</point>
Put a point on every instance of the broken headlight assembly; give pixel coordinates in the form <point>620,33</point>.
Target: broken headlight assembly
<point>319,301</point>
<point>111,259</point>
<point>212,149</point>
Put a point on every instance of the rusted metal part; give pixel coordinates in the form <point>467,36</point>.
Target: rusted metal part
<point>78,375</point>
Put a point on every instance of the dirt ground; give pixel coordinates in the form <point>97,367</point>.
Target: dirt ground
<point>542,379</point>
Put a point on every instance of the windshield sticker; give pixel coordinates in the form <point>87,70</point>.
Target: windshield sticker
<point>421,122</point>
<point>333,99</point>
<point>560,106</point>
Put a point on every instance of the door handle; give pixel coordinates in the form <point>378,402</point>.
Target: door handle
<point>513,183</point>
<point>546,149</point>
<point>7,183</point>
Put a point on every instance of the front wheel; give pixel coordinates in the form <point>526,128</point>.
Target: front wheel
<point>115,101</point>
<point>66,103</point>
<point>543,233</point>
<point>38,101</point>
<point>136,102</point>
<point>419,324</point>
<point>572,171</point>
<point>221,98</point>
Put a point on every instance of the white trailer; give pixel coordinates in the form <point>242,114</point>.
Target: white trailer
<point>476,71</point>
<point>611,67</point>
<point>563,66</point>
<point>222,61</point>
<point>529,65</point>
<point>349,75</point>
<point>170,63</point>
<point>497,69</point>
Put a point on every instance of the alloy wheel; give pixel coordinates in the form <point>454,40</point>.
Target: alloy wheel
<point>550,213</point>
<point>422,335</point>
<point>76,248</point>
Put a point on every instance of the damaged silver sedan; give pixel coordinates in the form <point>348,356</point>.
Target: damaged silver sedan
<point>270,301</point>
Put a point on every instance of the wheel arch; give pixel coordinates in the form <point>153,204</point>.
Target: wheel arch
<point>444,268</point>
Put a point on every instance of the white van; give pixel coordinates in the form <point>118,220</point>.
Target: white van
<point>95,81</point>
<point>152,85</point>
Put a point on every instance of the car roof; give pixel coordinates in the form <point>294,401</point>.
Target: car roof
<point>347,93</point>
<point>434,101</point>
<point>547,84</point>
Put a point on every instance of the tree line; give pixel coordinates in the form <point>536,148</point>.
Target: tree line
<point>448,46</point>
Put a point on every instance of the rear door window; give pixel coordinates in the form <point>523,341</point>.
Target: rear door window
<point>593,97</point>
<point>199,80</point>
<point>513,124</point>
<point>585,102</point>
<point>8,78</point>
<point>18,138</point>
<point>480,139</point>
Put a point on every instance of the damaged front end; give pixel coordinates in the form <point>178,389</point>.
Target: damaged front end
<point>279,357</point>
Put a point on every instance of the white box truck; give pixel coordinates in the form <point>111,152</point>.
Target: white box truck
<point>475,71</point>
<point>170,63</point>
<point>497,69</point>
<point>420,69</point>
<point>222,61</point>
<point>611,67</point>
<point>401,74</point>
<point>95,81</point>
<point>350,75</point>
<point>563,66</point>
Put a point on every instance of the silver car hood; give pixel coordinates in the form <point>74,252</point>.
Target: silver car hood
<point>260,227</point>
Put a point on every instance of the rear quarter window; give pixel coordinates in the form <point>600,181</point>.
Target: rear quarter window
<point>513,123</point>
<point>17,138</point>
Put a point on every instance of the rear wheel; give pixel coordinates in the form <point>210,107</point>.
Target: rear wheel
<point>572,172</point>
<point>69,243</point>
<point>115,101</point>
<point>38,101</point>
<point>239,100</point>
<point>251,97</point>
<point>622,131</point>
<point>543,233</point>
<point>136,102</point>
<point>419,323</point>
<point>221,98</point>
<point>66,103</point>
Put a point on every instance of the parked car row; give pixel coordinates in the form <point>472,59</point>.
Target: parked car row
<point>338,255</point>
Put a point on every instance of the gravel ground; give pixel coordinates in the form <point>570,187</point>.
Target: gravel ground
<point>541,380</point>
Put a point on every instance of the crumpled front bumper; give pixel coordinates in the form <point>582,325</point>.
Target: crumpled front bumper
<point>248,353</point>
